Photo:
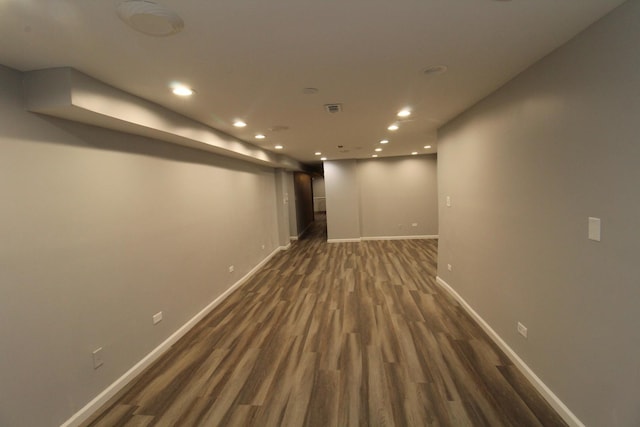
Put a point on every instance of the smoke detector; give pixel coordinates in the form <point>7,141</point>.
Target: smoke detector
<point>150,18</point>
<point>333,108</point>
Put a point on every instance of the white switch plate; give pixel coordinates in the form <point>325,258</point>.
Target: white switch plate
<point>449,267</point>
<point>415,224</point>
<point>231,269</point>
<point>594,229</point>
<point>97,358</point>
<point>448,201</point>
<point>157,318</point>
<point>522,330</point>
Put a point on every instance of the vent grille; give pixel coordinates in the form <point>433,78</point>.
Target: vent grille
<point>333,108</point>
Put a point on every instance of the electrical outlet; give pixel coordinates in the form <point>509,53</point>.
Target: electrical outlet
<point>522,330</point>
<point>449,267</point>
<point>231,269</point>
<point>263,247</point>
<point>97,358</point>
<point>157,318</point>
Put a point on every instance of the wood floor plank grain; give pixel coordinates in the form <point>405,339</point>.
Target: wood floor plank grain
<point>349,334</point>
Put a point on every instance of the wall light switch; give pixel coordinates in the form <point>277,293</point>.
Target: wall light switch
<point>594,229</point>
<point>157,318</point>
<point>522,330</point>
<point>448,201</point>
<point>97,358</point>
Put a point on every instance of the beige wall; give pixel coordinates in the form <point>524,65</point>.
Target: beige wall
<point>397,193</point>
<point>291,202</point>
<point>343,204</point>
<point>381,197</point>
<point>525,168</point>
<point>99,231</point>
<point>319,196</point>
<point>282,205</point>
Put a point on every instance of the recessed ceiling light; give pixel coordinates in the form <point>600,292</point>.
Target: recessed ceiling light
<point>427,146</point>
<point>384,141</point>
<point>318,153</point>
<point>436,69</point>
<point>404,113</point>
<point>310,90</point>
<point>279,147</point>
<point>239,124</point>
<point>393,127</point>
<point>182,90</point>
<point>323,158</point>
<point>378,149</point>
<point>414,153</point>
<point>260,136</point>
<point>374,155</point>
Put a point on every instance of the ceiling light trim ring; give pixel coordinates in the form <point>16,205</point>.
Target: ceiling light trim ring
<point>150,18</point>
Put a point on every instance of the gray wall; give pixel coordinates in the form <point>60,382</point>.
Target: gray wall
<point>282,204</point>
<point>382,197</point>
<point>99,230</point>
<point>319,195</point>
<point>397,193</point>
<point>525,168</point>
<point>343,204</point>
<point>291,201</point>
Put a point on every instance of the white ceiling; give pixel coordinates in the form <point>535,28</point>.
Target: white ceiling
<point>251,59</point>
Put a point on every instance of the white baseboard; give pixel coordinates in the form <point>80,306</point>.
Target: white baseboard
<point>285,248</point>
<point>557,404</point>
<point>356,240</point>
<point>420,237</point>
<point>362,239</point>
<point>95,404</point>
<point>293,238</point>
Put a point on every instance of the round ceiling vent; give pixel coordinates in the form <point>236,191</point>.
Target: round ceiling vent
<point>150,18</point>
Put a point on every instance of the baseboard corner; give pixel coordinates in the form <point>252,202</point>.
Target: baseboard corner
<point>103,397</point>
<point>563,410</point>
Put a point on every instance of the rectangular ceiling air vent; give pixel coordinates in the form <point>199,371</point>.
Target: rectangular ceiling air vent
<point>333,108</point>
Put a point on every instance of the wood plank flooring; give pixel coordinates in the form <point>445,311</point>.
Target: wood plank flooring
<point>348,334</point>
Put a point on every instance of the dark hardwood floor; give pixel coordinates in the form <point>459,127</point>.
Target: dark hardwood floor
<point>347,334</point>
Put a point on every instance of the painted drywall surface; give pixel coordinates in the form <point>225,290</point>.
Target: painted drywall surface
<point>381,197</point>
<point>100,230</point>
<point>69,94</point>
<point>397,193</point>
<point>282,205</point>
<point>319,195</point>
<point>291,200</point>
<point>524,169</point>
<point>318,186</point>
<point>304,201</point>
<point>343,205</point>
